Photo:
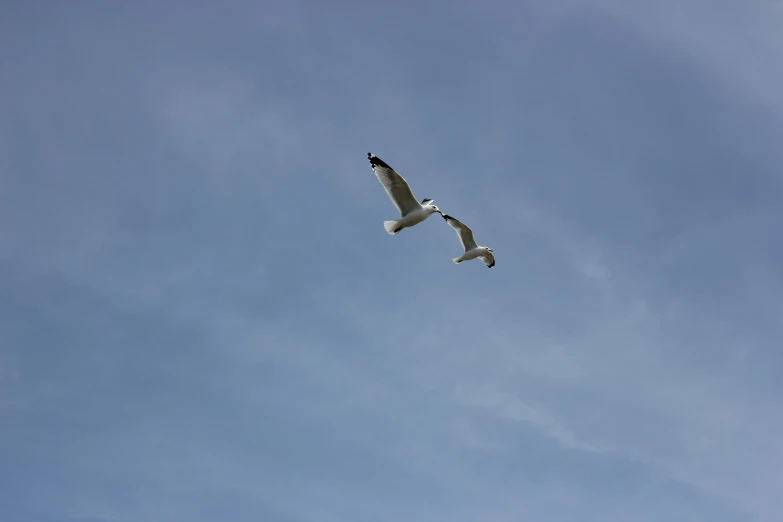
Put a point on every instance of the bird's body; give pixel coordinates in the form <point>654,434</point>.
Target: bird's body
<point>472,250</point>
<point>471,254</point>
<point>411,211</point>
<point>415,217</point>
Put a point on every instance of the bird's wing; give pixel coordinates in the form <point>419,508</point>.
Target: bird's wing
<point>463,231</point>
<point>396,186</point>
<point>489,259</point>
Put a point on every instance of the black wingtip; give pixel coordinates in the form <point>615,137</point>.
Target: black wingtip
<point>375,161</point>
<point>446,217</point>
<point>423,201</point>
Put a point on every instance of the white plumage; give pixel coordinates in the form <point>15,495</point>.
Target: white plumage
<point>411,211</point>
<point>472,250</point>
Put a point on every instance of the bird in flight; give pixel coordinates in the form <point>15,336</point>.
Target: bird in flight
<point>472,250</point>
<point>411,211</point>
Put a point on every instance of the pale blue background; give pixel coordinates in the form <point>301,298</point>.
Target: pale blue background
<point>202,318</point>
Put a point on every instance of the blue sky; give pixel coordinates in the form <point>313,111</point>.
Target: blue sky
<point>203,318</point>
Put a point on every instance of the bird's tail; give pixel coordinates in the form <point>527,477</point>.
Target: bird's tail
<point>457,260</point>
<point>391,227</point>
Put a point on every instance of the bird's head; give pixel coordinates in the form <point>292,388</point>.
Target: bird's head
<point>428,203</point>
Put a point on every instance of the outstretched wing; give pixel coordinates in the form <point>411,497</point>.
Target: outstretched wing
<point>396,186</point>
<point>489,259</point>
<point>463,231</point>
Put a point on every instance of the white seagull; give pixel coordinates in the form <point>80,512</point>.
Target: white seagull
<point>411,211</point>
<point>472,250</point>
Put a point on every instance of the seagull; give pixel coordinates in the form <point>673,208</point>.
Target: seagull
<point>411,211</point>
<point>472,250</point>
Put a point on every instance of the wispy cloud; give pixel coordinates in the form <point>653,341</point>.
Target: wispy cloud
<point>511,408</point>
